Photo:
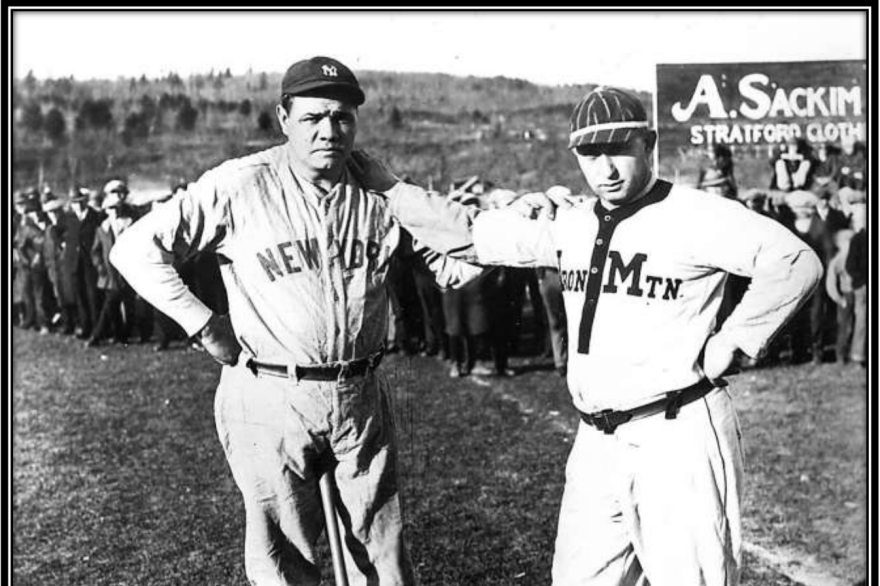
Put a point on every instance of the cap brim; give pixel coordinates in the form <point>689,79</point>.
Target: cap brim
<point>321,88</point>
<point>607,136</point>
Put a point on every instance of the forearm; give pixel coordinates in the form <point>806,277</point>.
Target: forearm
<point>778,288</point>
<point>449,272</point>
<point>148,268</point>
<point>504,237</point>
<point>444,226</point>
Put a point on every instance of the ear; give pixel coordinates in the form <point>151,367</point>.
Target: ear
<point>283,116</point>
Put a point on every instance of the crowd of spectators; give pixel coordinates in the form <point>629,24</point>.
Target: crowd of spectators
<point>64,283</point>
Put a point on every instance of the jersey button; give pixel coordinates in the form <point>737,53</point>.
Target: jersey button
<point>599,242</point>
<point>594,270</point>
<point>607,218</point>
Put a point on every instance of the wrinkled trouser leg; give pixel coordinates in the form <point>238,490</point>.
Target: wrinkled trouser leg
<point>860,325</point>
<point>551,291</point>
<point>279,436</point>
<point>656,503</point>
<point>843,335</point>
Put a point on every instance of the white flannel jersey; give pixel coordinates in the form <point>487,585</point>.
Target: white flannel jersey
<point>304,273</point>
<point>643,283</point>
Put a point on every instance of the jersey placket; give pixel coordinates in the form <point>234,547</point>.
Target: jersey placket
<point>608,222</point>
<point>333,282</point>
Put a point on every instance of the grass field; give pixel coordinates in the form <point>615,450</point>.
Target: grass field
<point>118,477</point>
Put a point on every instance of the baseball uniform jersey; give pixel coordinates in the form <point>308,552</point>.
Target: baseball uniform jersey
<point>642,285</point>
<point>304,272</point>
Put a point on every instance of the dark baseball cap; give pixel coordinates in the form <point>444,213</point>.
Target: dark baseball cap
<point>321,74</point>
<point>607,115</point>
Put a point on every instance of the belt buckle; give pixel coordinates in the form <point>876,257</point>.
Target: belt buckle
<point>344,370</point>
<point>293,372</point>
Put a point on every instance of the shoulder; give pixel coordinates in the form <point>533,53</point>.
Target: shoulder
<point>247,171</point>
<point>696,200</point>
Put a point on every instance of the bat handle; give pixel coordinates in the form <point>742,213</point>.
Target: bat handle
<point>339,574</point>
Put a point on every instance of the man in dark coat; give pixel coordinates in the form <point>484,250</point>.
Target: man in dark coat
<point>79,236</point>
<point>53,250</point>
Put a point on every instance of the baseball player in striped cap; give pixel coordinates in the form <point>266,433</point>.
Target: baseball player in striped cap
<point>653,481</point>
<point>304,250</point>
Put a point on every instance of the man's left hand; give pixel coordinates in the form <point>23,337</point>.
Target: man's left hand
<point>371,173</point>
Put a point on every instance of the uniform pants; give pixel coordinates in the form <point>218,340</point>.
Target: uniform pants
<point>657,502</point>
<point>279,436</point>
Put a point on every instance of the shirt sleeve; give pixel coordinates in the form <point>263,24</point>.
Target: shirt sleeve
<point>145,254</point>
<point>784,271</point>
<point>504,237</point>
<point>438,223</point>
<point>448,272</point>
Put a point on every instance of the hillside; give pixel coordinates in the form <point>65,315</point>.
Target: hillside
<point>432,127</point>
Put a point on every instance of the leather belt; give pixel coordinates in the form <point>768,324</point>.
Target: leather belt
<point>324,372</point>
<point>608,420</point>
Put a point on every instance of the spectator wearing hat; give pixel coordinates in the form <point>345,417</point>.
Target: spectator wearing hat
<point>36,289</point>
<point>717,176</point>
<point>96,201</point>
<point>82,224</point>
<point>466,313</point>
<point>838,285</point>
<point>808,329</point>
<point>826,171</point>
<point>118,295</point>
<point>853,165</point>
<point>793,170</point>
<point>16,220</point>
<point>55,251</point>
<point>856,266</point>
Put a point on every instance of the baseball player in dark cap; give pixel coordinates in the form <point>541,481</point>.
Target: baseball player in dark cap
<point>653,482</point>
<point>305,249</point>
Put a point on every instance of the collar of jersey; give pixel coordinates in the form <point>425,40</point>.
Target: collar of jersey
<point>657,190</point>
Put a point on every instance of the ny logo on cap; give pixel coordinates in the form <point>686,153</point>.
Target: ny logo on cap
<point>329,70</point>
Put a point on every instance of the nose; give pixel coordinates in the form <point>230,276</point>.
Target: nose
<point>328,129</point>
<point>605,166</point>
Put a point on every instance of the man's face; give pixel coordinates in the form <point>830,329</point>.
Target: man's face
<point>320,132</point>
<point>617,173</point>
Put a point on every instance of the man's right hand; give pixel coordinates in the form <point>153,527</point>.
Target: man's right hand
<point>218,339</point>
<point>371,173</point>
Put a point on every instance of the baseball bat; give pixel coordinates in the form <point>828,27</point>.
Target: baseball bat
<point>339,574</point>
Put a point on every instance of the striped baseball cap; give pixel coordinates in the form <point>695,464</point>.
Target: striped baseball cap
<point>606,115</point>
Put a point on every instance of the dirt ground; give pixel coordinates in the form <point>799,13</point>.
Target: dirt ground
<point>118,477</point>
